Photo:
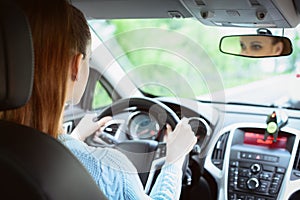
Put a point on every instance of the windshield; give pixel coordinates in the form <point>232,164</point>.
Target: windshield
<point>181,58</point>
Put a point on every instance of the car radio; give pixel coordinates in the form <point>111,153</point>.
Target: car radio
<point>256,166</point>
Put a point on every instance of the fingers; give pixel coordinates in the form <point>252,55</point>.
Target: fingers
<point>168,129</point>
<point>167,132</point>
<point>193,141</point>
<point>88,126</point>
<point>182,124</point>
<point>180,142</point>
<point>103,121</point>
<point>183,127</point>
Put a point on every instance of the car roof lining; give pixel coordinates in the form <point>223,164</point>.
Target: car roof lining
<point>131,9</point>
<point>139,9</point>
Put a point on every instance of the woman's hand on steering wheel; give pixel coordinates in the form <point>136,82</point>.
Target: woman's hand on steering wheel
<point>180,142</point>
<point>88,126</point>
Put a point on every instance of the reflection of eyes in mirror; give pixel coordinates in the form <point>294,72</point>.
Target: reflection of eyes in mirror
<point>256,45</point>
<point>260,46</point>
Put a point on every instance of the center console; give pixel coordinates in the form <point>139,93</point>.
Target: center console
<point>257,166</point>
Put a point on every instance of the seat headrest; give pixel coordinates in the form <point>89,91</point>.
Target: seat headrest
<point>16,57</point>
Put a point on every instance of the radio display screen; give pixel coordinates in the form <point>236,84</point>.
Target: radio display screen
<point>258,140</point>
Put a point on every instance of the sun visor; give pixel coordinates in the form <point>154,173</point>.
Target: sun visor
<point>244,13</point>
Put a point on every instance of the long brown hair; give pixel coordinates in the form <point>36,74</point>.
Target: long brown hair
<point>59,31</point>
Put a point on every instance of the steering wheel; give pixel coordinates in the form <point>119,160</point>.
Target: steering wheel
<point>147,155</point>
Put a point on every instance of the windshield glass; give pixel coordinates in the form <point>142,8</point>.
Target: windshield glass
<point>181,58</point>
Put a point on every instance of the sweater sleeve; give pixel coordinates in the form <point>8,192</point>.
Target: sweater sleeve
<point>117,177</point>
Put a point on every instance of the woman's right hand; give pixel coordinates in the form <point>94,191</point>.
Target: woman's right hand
<point>88,126</point>
<point>180,142</point>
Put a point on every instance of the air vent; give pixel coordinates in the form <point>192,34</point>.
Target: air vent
<point>112,129</point>
<point>68,126</point>
<point>296,165</point>
<point>219,151</point>
<point>199,3</point>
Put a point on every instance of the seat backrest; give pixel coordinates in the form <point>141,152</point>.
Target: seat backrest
<point>33,165</point>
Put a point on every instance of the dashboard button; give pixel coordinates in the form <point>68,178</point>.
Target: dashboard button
<point>250,156</point>
<point>242,186</point>
<point>270,158</point>
<point>263,190</point>
<point>244,172</point>
<point>232,196</point>
<point>272,191</point>
<point>234,163</point>
<point>266,176</point>
<point>242,179</point>
<point>241,197</point>
<point>280,170</point>
<point>277,178</point>
<point>244,155</point>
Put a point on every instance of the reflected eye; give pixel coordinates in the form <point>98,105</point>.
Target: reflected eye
<point>256,47</point>
<point>243,46</point>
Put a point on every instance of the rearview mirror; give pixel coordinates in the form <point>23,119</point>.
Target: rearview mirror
<point>256,46</point>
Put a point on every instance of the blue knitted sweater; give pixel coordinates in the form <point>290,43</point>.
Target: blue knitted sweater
<point>117,177</point>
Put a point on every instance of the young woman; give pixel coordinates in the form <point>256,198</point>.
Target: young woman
<point>62,44</point>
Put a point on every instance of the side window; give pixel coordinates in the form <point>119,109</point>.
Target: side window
<point>101,97</point>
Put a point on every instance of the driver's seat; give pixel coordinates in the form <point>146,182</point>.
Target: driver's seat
<point>33,165</point>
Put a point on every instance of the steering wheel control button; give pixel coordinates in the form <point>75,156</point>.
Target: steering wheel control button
<point>252,183</point>
<point>161,151</point>
<point>157,154</point>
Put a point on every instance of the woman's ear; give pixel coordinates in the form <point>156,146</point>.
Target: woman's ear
<point>279,48</point>
<point>75,66</point>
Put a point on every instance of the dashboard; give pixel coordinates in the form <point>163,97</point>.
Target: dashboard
<point>248,167</point>
<point>244,165</point>
<point>234,159</point>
